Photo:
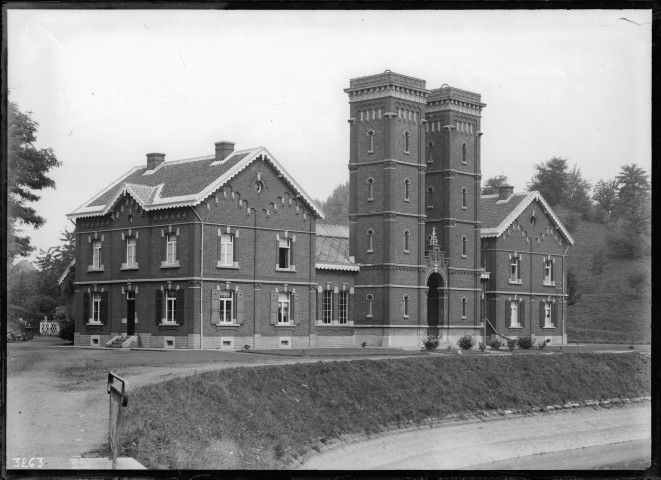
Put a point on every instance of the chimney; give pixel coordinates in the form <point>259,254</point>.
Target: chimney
<point>223,150</point>
<point>505,191</point>
<point>154,160</point>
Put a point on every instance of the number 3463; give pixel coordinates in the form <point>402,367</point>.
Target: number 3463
<point>35,462</point>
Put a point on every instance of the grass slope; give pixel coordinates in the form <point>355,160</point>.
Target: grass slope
<point>265,417</point>
<point>609,311</point>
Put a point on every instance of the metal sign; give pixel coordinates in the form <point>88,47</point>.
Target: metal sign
<point>118,391</point>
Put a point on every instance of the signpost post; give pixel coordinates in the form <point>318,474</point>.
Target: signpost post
<point>118,391</point>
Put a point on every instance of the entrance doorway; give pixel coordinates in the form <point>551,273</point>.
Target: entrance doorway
<point>434,305</point>
<point>130,313</point>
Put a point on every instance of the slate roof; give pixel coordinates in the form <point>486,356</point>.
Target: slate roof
<point>333,248</point>
<point>182,183</point>
<point>497,215</point>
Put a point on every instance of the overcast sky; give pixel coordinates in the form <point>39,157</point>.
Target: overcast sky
<point>107,87</point>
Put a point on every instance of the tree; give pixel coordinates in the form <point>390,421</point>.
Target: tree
<point>633,200</point>
<point>605,194</point>
<point>27,168</point>
<point>336,206</point>
<point>573,290</point>
<point>491,184</point>
<point>550,180</point>
<point>577,192</point>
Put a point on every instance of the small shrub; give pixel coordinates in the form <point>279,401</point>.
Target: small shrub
<point>483,347</point>
<point>541,345</point>
<point>496,344</point>
<point>429,343</point>
<point>246,347</point>
<point>67,323</point>
<point>466,342</point>
<point>511,343</point>
<point>526,342</point>
<point>364,344</point>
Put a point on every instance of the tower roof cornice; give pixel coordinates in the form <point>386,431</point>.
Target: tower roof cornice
<point>387,84</point>
<point>447,92</point>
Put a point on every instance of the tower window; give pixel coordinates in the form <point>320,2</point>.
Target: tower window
<point>430,197</point>
<point>370,240</point>
<point>463,307</point>
<point>430,156</point>
<point>370,301</point>
<point>463,198</point>
<point>407,188</point>
<point>464,246</point>
<point>370,189</point>
<point>463,153</point>
<point>406,300</point>
<point>407,134</point>
<point>370,134</point>
<point>407,235</point>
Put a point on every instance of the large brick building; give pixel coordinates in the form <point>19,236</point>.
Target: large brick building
<point>225,251</point>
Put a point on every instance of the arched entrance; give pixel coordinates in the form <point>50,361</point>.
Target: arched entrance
<point>435,304</point>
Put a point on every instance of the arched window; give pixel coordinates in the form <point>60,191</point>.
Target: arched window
<point>370,240</point>
<point>407,234</point>
<point>370,188</point>
<point>407,188</point>
<point>463,307</point>
<point>464,246</point>
<point>370,301</point>
<point>463,198</point>
<point>463,153</point>
<point>430,197</point>
<point>370,134</point>
<point>407,135</point>
<point>406,300</point>
<point>430,157</point>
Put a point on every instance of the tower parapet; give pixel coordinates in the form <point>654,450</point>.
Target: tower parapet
<point>451,98</point>
<point>387,84</point>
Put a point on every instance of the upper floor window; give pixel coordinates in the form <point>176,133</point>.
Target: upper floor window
<point>464,194</point>
<point>131,253</point>
<point>284,253</point>
<point>407,136</point>
<point>407,235</point>
<point>548,272</point>
<point>430,152</point>
<point>407,189</point>
<point>463,307</point>
<point>464,246</point>
<point>515,273</point>
<point>226,249</point>
<point>370,240</point>
<point>406,301</point>
<point>171,248</point>
<point>370,301</point>
<point>96,254</point>
<point>370,189</point>
<point>370,135</point>
<point>343,307</point>
<point>463,153</point>
<point>430,197</point>
<point>283,307</point>
<point>327,306</point>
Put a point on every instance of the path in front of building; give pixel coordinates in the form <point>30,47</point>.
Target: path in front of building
<point>583,438</point>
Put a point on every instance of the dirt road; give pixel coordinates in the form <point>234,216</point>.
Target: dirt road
<point>520,442</point>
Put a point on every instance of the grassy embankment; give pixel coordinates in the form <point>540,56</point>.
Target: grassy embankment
<point>265,417</point>
<point>609,311</point>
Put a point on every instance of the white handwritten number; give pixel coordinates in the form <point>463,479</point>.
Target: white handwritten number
<point>28,463</point>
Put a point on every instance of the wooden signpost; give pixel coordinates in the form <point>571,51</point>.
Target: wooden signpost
<point>118,391</point>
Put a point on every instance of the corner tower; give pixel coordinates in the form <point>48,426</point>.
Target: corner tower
<point>386,212</point>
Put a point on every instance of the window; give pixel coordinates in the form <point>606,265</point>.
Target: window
<point>547,312</point>
<point>548,272</point>
<point>370,240</point>
<point>327,306</point>
<point>284,253</point>
<point>463,307</point>
<point>171,248</point>
<point>430,153</point>
<point>407,234</point>
<point>514,314</point>
<point>370,134</point>
<point>343,308</point>
<point>430,197</point>
<point>406,300</point>
<point>464,193</point>
<point>226,306</point>
<point>407,188</point>
<point>131,253</point>
<point>370,189</point>
<point>463,153</point>
<point>370,300</point>
<point>406,141</point>
<point>96,254</point>
<point>464,246</point>
<point>514,270</point>
<point>226,249</point>
<point>96,308</point>
<point>170,307</point>
<point>283,307</point>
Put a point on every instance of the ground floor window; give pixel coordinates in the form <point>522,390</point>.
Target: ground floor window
<point>226,306</point>
<point>96,307</point>
<point>547,313</point>
<point>283,307</point>
<point>327,306</point>
<point>343,308</point>
<point>170,307</point>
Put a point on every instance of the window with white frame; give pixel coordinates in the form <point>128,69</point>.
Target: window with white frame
<point>370,189</point>
<point>327,306</point>
<point>514,314</point>
<point>226,306</point>
<point>170,307</point>
<point>548,272</point>
<point>370,134</point>
<point>463,307</point>
<point>131,247</point>
<point>464,246</point>
<point>407,136</point>
<point>407,234</point>
<point>96,254</point>
<point>515,273</point>
<point>370,240</point>
<point>464,193</point>
<point>370,301</point>
<point>226,249</point>
<point>407,189</point>
<point>283,307</point>
<point>284,253</point>
<point>463,153</point>
<point>96,308</point>
<point>343,307</point>
<point>171,248</point>
<point>548,315</point>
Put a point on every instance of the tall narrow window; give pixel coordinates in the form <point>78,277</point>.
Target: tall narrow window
<point>171,250</point>
<point>464,193</point>
<point>514,314</point>
<point>284,253</point>
<point>463,153</point>
<point>370,240</point>
<point>548,319</point>
<point>170,307</point>
<point>226,253</point>
<point>370,300</point>
<point>131,252</point>
<point>96,307</point>
<point>514,270</point>
<point>430,197</point>
<point>407,234</point>
<point>406,141</point>
<point>406,306</point>
<point>548,272</point>
<point>370,189</point>
<point>463,307</point>
<point>226,306</point>
<point>343,307</point>
<point>430,152</point>
<point>407,189</point>
<point>370,135</point>
<point>96,254</point>
<point>327,306</point>
<point>283,307</point>
<point>464,246</point>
